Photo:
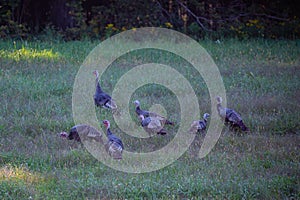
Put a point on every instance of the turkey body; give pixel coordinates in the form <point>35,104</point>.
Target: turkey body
<point>153,125</point>
<point>83,132</point>
<point>101,98</point>
<point>146,113</point>
<point>230,116</point>
<point>114,145</point>
<point>199,125</point>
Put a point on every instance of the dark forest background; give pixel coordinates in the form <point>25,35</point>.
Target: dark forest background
<point>99,19</point>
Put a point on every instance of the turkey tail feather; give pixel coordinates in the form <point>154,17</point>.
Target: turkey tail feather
<point>169,122</point>
<point>162,132</point>
<point>243,126</point>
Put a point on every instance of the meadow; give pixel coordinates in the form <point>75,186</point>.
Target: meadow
<point>262,83</point>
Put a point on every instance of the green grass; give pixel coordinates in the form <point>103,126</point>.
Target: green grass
<point>261,78</point>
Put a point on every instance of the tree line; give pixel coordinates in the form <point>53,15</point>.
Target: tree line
<point>77,19</point>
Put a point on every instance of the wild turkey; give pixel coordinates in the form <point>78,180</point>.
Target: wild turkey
<point>230,116</point>
<point>199,125</point>
<point>101,98</point>
<point>82,132</point>
<point>146,113</point>
<point>153,125</point>
<point>114,145</point>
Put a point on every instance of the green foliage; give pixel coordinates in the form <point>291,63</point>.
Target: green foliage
<point>14,190</point>
<point>75,20</point>
<point>10,25</point>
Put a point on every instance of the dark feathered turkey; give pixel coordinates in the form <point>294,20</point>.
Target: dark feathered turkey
<point>146,113</point>
<point>153,125</point>
<point>230,116</point>
<point>101,98</point>
<point>199,125</point>
<point>114,145</point>
<point>82,132</point>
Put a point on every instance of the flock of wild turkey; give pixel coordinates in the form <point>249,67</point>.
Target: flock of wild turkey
<point>151,122</point>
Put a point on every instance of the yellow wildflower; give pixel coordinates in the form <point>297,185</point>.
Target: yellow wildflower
<point>253,21</point>
<point>108,26</point>
<point>168,25</point>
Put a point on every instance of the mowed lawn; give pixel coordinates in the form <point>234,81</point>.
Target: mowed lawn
<point>262,83</point>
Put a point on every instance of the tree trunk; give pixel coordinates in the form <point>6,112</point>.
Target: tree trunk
<point>60,14</point>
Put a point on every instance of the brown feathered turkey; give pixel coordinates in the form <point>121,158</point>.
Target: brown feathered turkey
<point>114,145</point>
<point>146,113</point>
<point>153,125</point>
<point>199,125</point>
<point>101,98</point>
<point>230,116</point>
<point>82,132</point>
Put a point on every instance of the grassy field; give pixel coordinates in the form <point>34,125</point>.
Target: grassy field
<point>262,82</point>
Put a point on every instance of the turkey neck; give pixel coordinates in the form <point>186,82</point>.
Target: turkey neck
<point>221,110</point>
<point>98,88</point>
<point>108,131</point>
<point>219,107</point>
<point>138,109</point>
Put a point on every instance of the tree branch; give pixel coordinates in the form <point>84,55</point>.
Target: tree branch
<point>271,17</point>
<point>162,9</point>
<point>197,18</point>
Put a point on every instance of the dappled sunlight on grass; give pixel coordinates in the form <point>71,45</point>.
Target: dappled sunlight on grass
<point>29,54</point>
<point>8,172</point>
